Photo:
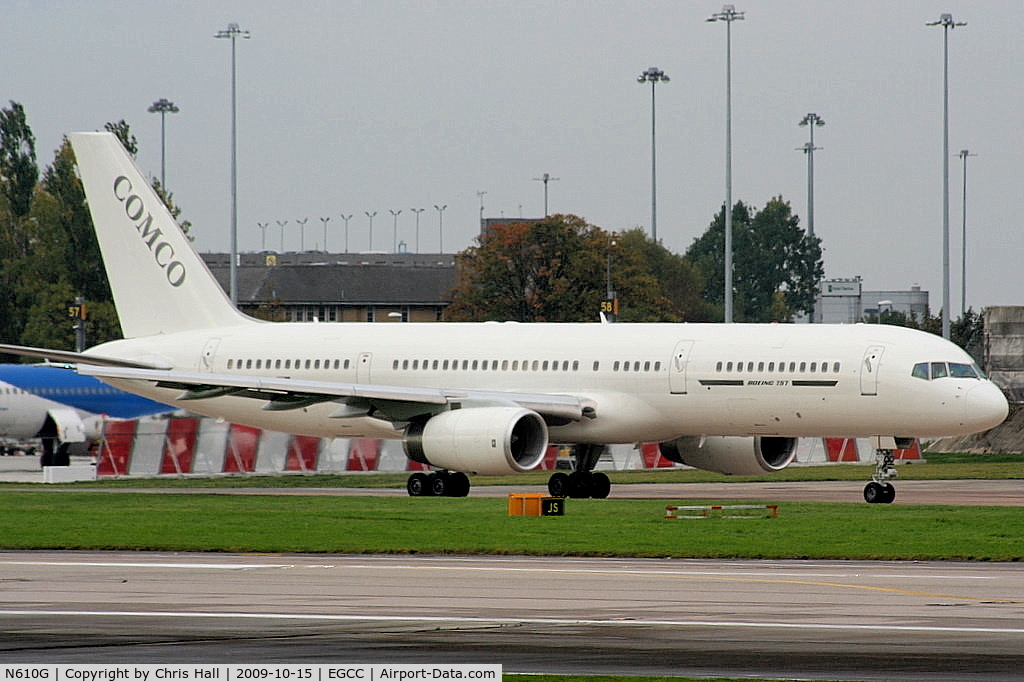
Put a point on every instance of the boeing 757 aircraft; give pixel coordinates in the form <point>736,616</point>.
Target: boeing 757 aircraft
<point>487,398</point>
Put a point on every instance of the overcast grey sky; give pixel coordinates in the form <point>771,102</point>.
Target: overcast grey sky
<point>349,107</point>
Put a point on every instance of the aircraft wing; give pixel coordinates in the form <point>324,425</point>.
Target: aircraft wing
<point>71,356</point>
<point>396,403</point>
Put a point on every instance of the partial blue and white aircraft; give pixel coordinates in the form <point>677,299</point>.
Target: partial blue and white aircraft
<point>487,398</point>
<point>62,407</point>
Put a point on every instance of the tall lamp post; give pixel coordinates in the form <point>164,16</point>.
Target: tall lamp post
<point>233,32</point>
<point>546,178</point>
<point>480,195</point>
<point>281,224</point>
<point>728,15</point>
<point>370,216</point>
<point>811,120</point>
<point>346,218</point>
<point>263,235</point>
<point>653,75</point>
<point>417,211</point>
<point>163,107</point>
<point>947,23</point>
<point>964,153</point>
<point>325,221</point>
<point>440,227</point>
<point>302,234</point>
<point>395,214</point>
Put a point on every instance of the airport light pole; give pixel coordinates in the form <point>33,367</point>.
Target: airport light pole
<point>480,195</point>
<point>546,178</point>
<point>163,107</point>
<point>370,216</point>
<point>947,23</point>
<point>964,153</point>
<point>653,75</point>
<point>281,224</point>
<point>728,15</point>
<point>417,211</point>
<point>263,235</point>
<point>233,32</point>
<point>325,221</point>
<point>346,218</point>
<point>440,226</point>
<point>395,214</point>
<point>811,120</point>
<point>302,234</point>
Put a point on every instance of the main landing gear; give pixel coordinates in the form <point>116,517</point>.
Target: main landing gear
<point>879,490</point>
<point>438,484</point>
<point>584,481</point>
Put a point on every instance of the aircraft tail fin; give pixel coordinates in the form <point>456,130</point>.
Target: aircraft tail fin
<point>159,282</point>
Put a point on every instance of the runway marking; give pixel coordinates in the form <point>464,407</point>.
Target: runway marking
<point>480,620</point>
<point>698,575</point>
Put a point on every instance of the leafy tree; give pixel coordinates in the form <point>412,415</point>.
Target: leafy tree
<point>18,170</point>
<point>123,132</point>
<point>557,270</point>
<point>776,265</point>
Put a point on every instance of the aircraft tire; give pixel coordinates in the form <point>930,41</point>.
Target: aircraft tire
<point>600,486</point>
<point>558,484</point>
<point>580,485</point>
<point>888,493</point>
<point>438,484</point>
<point>458,484</point>
<point>874,493</point>
<point>416,486</point>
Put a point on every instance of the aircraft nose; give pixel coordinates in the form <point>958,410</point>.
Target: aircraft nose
<point>986,406</point>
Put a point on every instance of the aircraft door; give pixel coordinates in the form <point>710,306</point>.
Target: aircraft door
<point>363,368</point>
<point>677,367</point>
<point>206,359</point>
<point>869,370</point>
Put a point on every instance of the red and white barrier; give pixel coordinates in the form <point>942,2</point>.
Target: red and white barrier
<point>178,446</point>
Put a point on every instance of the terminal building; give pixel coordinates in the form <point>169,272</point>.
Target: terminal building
<point>340,287</point>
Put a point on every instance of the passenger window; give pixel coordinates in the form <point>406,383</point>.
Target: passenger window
<point>435,364</point>
<point>760,367</point>
<point>316,365</point>
<point>657,366</point>
<point>939,370</point>
<point>920,370</point>
<point>728,367</point>
<point>792,367</point>
<point>597,365</point>
<point>288,363</point>
<point>718,367</point>
<point>405,364</point>
<point>771,366</point>
<point>259,363</point>
<point>504,365</point>
<point>394,365</point>
<point>615,367</point>
<point>835,367</point>
<point>814,367</point>
<point>230,361</point>
<point>515,365</point>
<point>647,366</point>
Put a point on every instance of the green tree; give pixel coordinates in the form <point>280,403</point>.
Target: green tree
<point>557,270</point>
<point>18,170</point>
<point>776,265</point>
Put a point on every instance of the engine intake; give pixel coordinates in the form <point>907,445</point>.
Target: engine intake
<point>733,455</point>
<point>479,440</point>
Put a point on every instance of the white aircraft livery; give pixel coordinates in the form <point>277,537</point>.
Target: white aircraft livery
<point>487,398</point>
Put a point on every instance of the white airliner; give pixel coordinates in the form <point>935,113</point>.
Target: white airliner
<point>62,408</point>
<point>487,398</point>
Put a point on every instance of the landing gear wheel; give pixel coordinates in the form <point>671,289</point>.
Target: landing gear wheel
<point>600,485</point>
<point>873,492</point>
<point>558,485</point>
<point>579,485</point>
<point>458,484</point>
<point>438,484</point>
<point>888,493</point>
<point>416,486</point>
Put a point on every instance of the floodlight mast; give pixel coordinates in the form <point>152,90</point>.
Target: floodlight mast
<point>811,120</point>
<point>163,106</point>
<point>233,32</point>
<point>653,75</point>
<point>728,15</point>
<point>964,153</point>
<point>546,178</point>
<point>947,23</point>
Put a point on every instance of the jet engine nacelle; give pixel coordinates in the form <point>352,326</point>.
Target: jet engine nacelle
<point>734,455</point>
<point>479,440</point>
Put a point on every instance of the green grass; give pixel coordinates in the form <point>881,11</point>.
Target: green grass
<point>629,528</point>
<point>945,466</point>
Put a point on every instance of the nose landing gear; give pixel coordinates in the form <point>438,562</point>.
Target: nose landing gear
<point>879,490</point>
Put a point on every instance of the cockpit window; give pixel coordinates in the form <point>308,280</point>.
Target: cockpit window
<point>962,371</point>
<point>938,370</point>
